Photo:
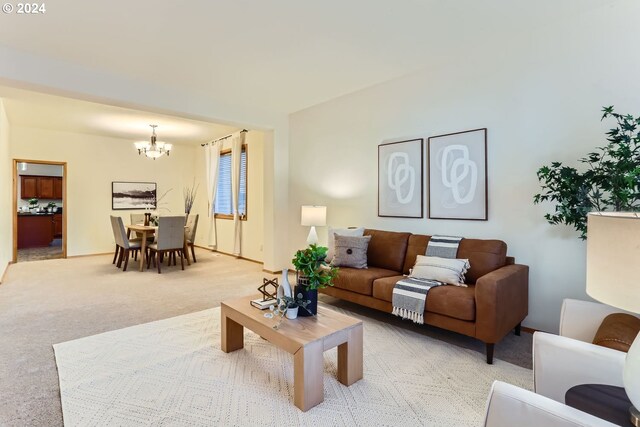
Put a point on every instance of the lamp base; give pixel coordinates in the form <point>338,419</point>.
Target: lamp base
<point>634,416</point>
<point>312,238</point>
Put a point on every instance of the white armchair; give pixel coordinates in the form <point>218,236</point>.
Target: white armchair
<point>569,359</point>
<point>509,405</point>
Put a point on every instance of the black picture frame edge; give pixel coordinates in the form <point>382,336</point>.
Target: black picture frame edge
<point>422,177</point>
<point>132,182</point>
<point>486,176</point>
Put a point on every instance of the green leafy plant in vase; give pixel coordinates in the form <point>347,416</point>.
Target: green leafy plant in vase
<point>611,181</point>
<point>33,203</point>
<point>313,273</point>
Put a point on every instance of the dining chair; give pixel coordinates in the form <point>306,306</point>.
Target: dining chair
<point>192,226</point>
<point>116,238</point>
<point>126,246</point>
<point>170,238</point>
<point>138,218</point>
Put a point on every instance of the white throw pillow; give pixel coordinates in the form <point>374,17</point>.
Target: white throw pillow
<point>446,270</point>
<point>356,232</point>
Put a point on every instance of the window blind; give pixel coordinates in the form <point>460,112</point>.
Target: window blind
<point>223,203</point>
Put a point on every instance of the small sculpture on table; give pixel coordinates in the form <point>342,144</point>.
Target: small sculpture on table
<point>269,290</point>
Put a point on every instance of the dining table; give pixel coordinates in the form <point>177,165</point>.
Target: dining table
<point>148,230</point>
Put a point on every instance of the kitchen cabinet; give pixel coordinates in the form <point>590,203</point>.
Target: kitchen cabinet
<point>29,186</point>
<point>35,230</point>
<point>57,188</point>
<point>45,187</point>
<point>57,225</point>
<point>41,187</point>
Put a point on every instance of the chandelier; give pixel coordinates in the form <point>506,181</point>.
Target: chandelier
<point>153,149</point>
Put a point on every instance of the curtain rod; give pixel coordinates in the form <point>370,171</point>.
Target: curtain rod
<point>224,137</point>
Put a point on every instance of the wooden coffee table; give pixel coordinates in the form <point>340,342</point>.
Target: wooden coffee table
<point>307,338</point>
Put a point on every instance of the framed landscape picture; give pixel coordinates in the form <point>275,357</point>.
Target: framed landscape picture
<point>458,175</point>
<point>400,178</point>
<point>133,195</point>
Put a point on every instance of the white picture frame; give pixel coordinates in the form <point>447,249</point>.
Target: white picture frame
<point>400,179</point>
<point>458,176</point>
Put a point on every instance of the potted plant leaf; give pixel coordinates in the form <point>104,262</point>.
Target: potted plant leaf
<point>609,179</point>
<point>312,273</point>
<point>288,307</point>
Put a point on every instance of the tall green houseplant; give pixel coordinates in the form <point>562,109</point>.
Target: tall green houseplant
<point>611,180</point>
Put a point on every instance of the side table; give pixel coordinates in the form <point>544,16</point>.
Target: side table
<point>603,401</point>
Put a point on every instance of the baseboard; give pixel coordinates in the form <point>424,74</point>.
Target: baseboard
<point>529,330</point>
<point>228,254</point>
<point>271,272</point>
<point>4,273</point>
<point>87,255</point>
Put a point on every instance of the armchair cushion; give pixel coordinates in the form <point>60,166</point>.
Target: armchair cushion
<point>509,406</point>
<point>560,363</point>
<point>617,331</point>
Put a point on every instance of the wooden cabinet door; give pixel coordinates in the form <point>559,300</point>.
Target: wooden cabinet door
<point>28,187</point>
<point>57,188</point>
<point>57,225</point>
<point>45,187</point>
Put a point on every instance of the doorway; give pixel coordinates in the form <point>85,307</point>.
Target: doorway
<point>39,210</point>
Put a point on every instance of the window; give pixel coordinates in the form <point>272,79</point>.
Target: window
<point>223,205</point>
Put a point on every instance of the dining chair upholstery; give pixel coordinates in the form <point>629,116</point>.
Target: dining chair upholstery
<point>138,218</point>
<point>192,226</point>
<point>123,244</point>
<point>170,237</point>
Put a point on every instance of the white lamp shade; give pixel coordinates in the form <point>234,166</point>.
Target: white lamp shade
<point>314,215</point>
<point>613,256</point>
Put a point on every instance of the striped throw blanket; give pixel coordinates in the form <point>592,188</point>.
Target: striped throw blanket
<point>443,246</point>
<point>409,296</point>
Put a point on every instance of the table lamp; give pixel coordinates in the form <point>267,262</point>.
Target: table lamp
<point>613,257</point>
<point>313,216</point>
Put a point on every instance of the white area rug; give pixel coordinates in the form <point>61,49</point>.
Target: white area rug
<point>173,373</point>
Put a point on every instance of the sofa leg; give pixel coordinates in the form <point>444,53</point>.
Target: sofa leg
<point>490,353</point>
<point>518,328</point>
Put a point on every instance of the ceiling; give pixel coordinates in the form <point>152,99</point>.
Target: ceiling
<point>280,55</point>
<point>26,108</point>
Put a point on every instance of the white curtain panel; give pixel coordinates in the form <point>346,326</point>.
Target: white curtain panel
<point>236,156</point>
<point>212,160</point>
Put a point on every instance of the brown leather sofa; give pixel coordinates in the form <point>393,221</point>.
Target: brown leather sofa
<point>495,301</point>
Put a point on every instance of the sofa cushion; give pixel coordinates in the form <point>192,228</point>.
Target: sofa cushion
<point>350,251</point>
<point>360,280</point>
<point>331,243</point>
<point>387,249</point>
<point>483,255</point>
<point>452,301</point>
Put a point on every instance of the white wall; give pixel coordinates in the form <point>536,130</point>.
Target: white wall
<point>253,228</point>
<point>93,162</point>
<point>6,176</point>
<point>540,97</point>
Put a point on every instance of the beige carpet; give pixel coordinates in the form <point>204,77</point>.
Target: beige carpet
<point>47,302</point>
<point>172,372</point>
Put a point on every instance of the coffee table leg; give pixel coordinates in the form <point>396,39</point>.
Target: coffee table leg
<point>308,385</point>
<point>350,357</point>
<point>232,334</point>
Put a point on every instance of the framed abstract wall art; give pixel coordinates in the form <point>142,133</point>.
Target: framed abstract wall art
<point>458,175</point>
<point>133,195</point>
<point>400,179</point>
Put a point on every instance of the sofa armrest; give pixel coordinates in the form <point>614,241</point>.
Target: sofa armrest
<point>560,363</point>
<point>509,406</point>
<point>580,320</point>
<point>502,301</point>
